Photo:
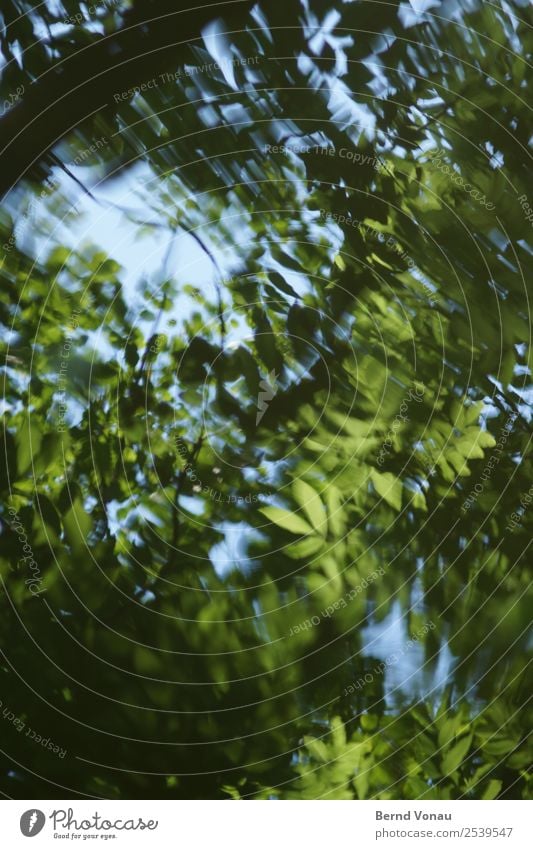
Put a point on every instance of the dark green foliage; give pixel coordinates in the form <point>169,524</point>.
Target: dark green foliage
<point>338,410</point>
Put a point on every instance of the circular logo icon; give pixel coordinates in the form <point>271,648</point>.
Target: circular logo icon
<point>32,822</point>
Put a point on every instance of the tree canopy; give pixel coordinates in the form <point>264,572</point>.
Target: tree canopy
<point>266,371</point>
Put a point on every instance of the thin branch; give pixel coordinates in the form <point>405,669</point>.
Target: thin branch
<point>69,173</point>
<point>218,289</point>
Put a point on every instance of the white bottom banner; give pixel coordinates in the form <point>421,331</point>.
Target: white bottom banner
<point>267,825</point>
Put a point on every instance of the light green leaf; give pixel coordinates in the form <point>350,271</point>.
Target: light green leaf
<point>336,512</point>
<point>455,756</point>
<point>389,487</point>
<point>305,547</point>
<point>309,500</point>
<point>419,501</point>
<point>338,734</point>
<point>493,788</point>
<point>317,749</point>
<point>448,730</point>
<point>486,439</point>
<point>287,520</point>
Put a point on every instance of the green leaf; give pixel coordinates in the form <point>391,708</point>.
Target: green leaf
<point>389,487</point>
<point>317,749</point>
<point>309,500</point>
<point>305,548</point>
<point>369,721</point>
<point>455,756</point>
<point>280,283</point>
<point>419,501</point>
<point>287,520</point>
<point>493,788</point>
<point>77,524</point>
<point>338,733</point>
<point>28,445</point>
<point>448,730</point>
<point>336,513</point>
